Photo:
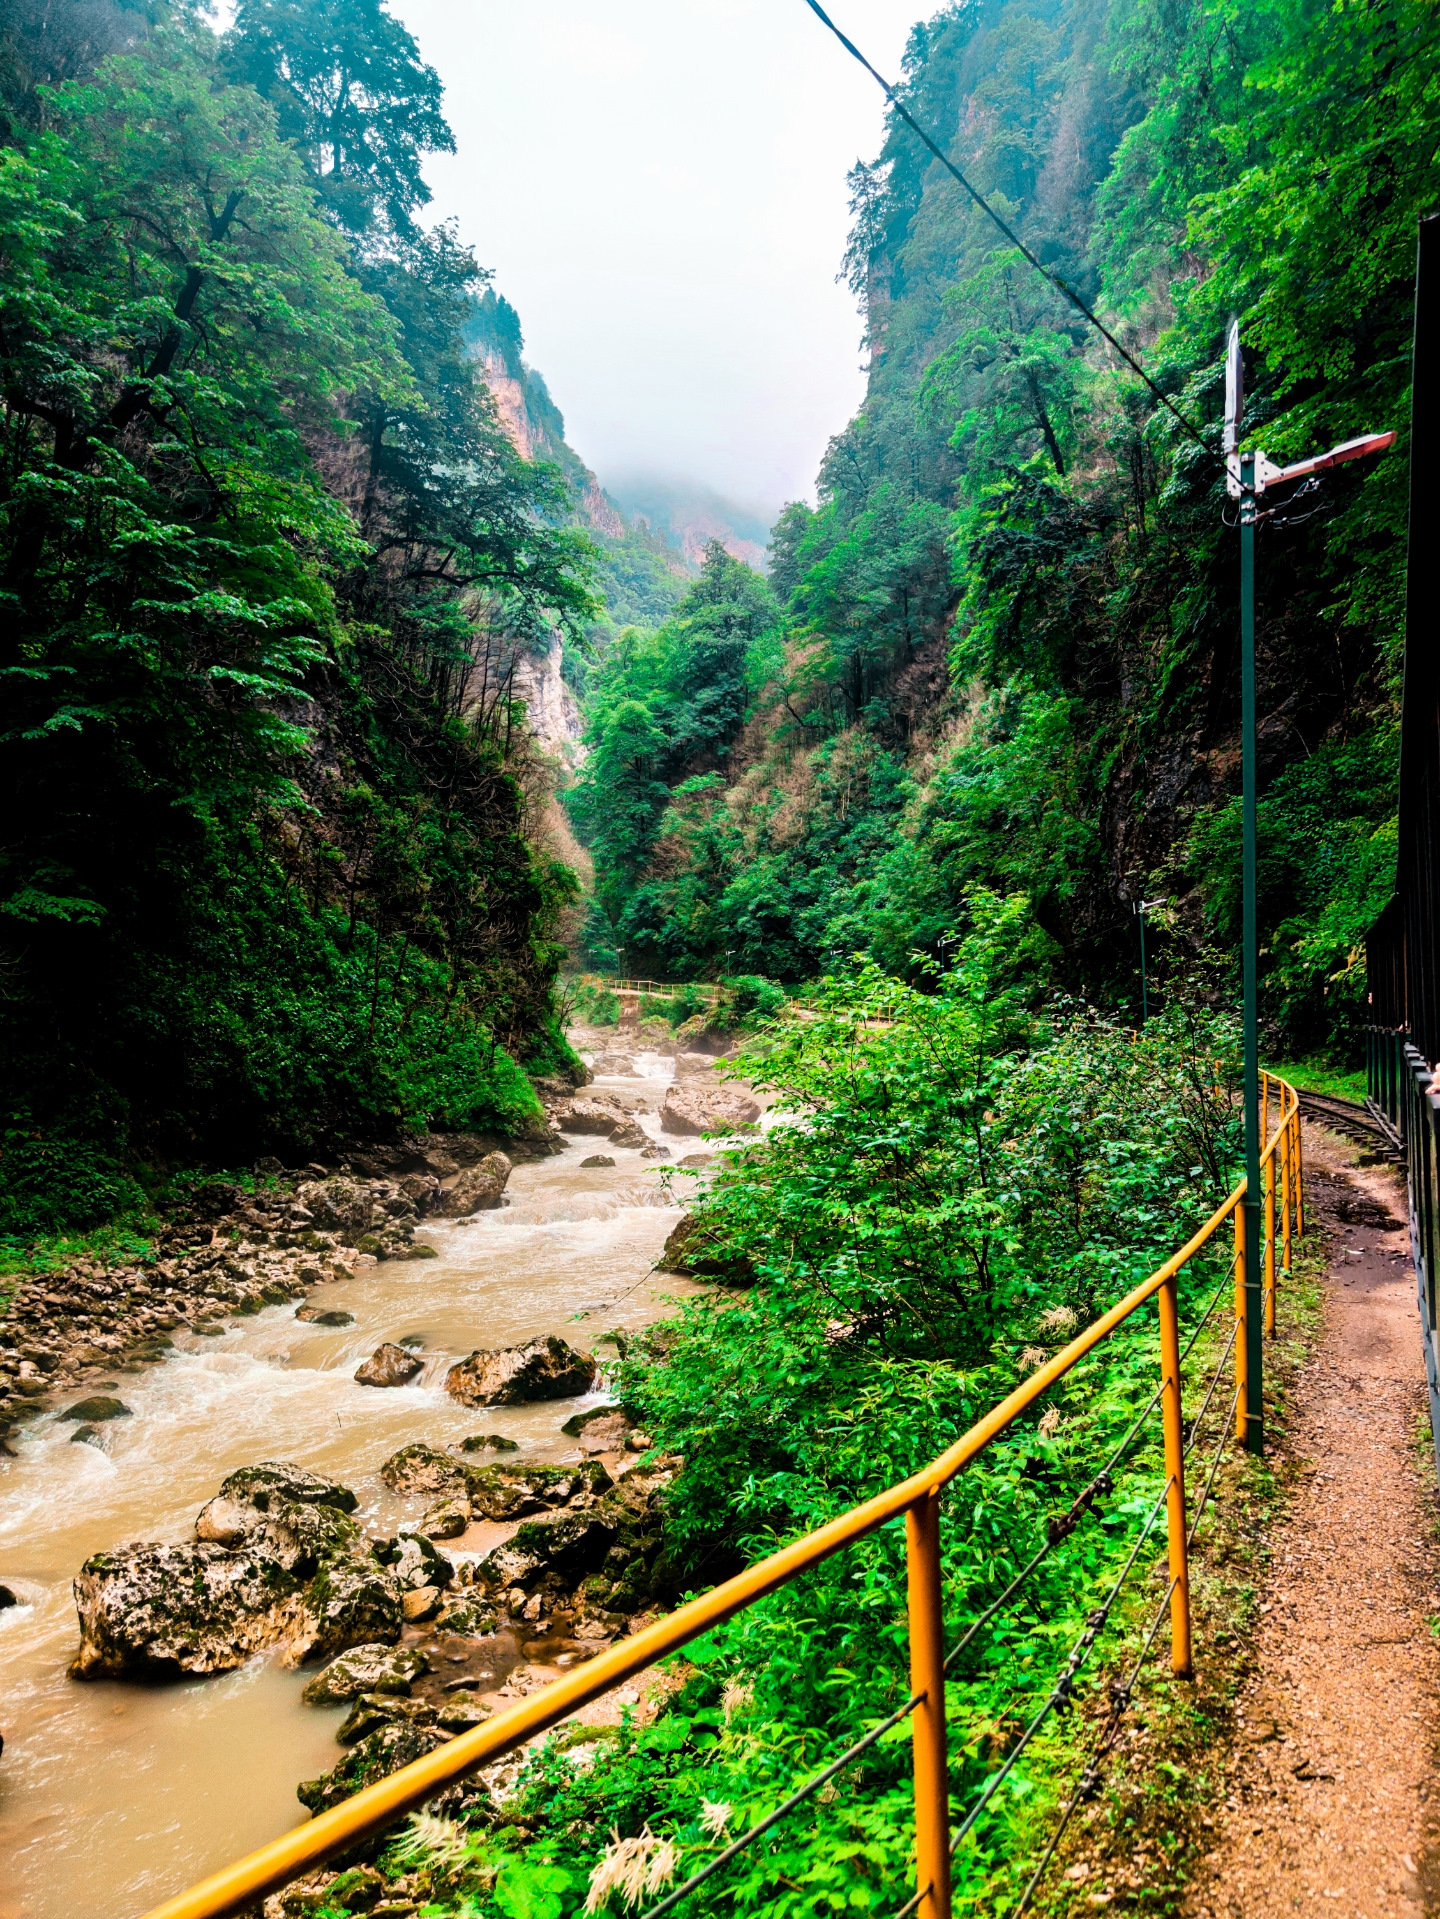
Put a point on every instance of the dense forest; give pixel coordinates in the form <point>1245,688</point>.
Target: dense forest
<point>287,523</point>
<point>270,872</point>
<point>1003,651</point>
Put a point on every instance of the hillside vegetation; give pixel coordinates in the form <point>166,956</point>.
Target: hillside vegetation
<point>269,872</point>
<point>1003,651</point>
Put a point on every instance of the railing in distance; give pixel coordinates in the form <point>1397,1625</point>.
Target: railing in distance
<point>378,1806</point>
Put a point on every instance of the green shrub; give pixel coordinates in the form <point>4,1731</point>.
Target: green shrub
<point>53,1182</point>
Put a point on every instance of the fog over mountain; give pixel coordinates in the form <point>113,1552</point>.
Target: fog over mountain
<point>692,514</point>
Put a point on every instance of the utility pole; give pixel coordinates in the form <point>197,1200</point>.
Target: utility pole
<point>1248,477</point>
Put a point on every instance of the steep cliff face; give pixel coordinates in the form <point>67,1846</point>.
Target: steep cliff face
<point>527,412</point>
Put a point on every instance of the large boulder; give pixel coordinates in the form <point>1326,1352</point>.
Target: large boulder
<point>586,1116</point>
<point>375,1757</point>
<point>517,1375</point>
<point>478,1189</point>
<point>629,1133</point>
<point>276,1562</point>
<point>338,1205</point>
<point>700,1105</point>
<point>419,1468</point>
<point>389,1365</point>
<point>558,1550</point>
<point>367,1669</point>
<point>696,1251</point>
<point>516,1492</point>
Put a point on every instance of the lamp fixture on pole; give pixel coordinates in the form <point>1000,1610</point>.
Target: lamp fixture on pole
<point>1248,477</point>
<point>1142,909</point>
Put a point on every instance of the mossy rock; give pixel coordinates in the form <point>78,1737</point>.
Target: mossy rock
<point>99,1406</point>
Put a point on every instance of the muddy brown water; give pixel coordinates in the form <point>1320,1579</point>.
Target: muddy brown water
<point>114,1796</point>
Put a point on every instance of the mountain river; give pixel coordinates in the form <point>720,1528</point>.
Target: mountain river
<point>115,1795</point>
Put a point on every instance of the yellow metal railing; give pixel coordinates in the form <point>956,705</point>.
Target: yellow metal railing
<point>247,1881</point>
<point>652,988</point>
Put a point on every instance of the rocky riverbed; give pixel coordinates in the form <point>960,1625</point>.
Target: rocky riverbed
<point>233,1358</point>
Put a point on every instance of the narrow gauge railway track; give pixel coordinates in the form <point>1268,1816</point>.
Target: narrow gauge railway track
<point>1358,1122</point>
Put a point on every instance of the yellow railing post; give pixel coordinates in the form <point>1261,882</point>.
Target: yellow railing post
<point>1287,1195</point>
<point>1171,1414</point>
<point>1241,1427</point>
<point>1299,1173</point>
<point>927,1677</point>
<point>1270,1246</point>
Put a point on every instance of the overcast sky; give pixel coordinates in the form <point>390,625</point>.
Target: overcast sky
<point>659,186</point>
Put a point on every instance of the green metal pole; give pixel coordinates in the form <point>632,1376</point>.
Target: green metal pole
<point>1254,1306</point>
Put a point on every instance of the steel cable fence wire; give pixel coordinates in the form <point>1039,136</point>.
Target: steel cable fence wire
<point>1121,1698</point>
<point>1226,1433</point>
<point>1219,1294</point>
<point>1198,1421</point>
<point>1059,1529</point>
<point>797,1798</point>
<point>1059,1694</point>
<point>1064,1686</point>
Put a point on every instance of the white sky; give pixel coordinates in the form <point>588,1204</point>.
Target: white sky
<point>660,188</point>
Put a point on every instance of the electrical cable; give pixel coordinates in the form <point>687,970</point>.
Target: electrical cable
<point>1062,286</point>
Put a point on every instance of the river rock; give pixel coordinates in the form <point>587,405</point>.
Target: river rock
<point>367,1669</point>
<point>637,1570</point>
<point>468,1616</point>
<point>414,1562</point>
<point>277,1480</point>
<point>604,1429</point>
<point>597,1159</point>
<point>86,1436</point>
<point>97,1407</point>
<point>489,1443</point>
<point>325,1316</point>
<point>419,1468</point>
<point>517,1375</point>
<point>8,1599</point>
<point>515,1492</point>
<point>338,1205</point>
<point>422,1190</point>
<point>700,1106</point>
<point>374,1758</point>
<point>446,1519</point>
<point>696,1251</point>
<point>585,1116</point>
<point>389,1365</point>
<point>564,1547</point>
<point>687,1065</point>
<point>276,1562</point>
<point>478,1189</point>
<point>629,1133</point>
<point>419,1604</point>
<point>373,1710</point>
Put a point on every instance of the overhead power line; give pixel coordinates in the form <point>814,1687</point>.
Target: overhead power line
<point>1061,286</point>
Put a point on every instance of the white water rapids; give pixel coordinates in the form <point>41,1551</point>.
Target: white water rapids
<point>115,1795</point>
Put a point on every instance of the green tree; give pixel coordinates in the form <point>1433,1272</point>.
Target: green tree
<point>351,91</point>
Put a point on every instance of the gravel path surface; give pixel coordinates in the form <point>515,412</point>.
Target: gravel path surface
<point>1332,1807</point>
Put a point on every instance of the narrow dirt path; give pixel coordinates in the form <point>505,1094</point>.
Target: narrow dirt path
<point>1332,1805</point>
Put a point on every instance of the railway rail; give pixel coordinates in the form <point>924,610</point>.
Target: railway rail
<point>1362,1123</point>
